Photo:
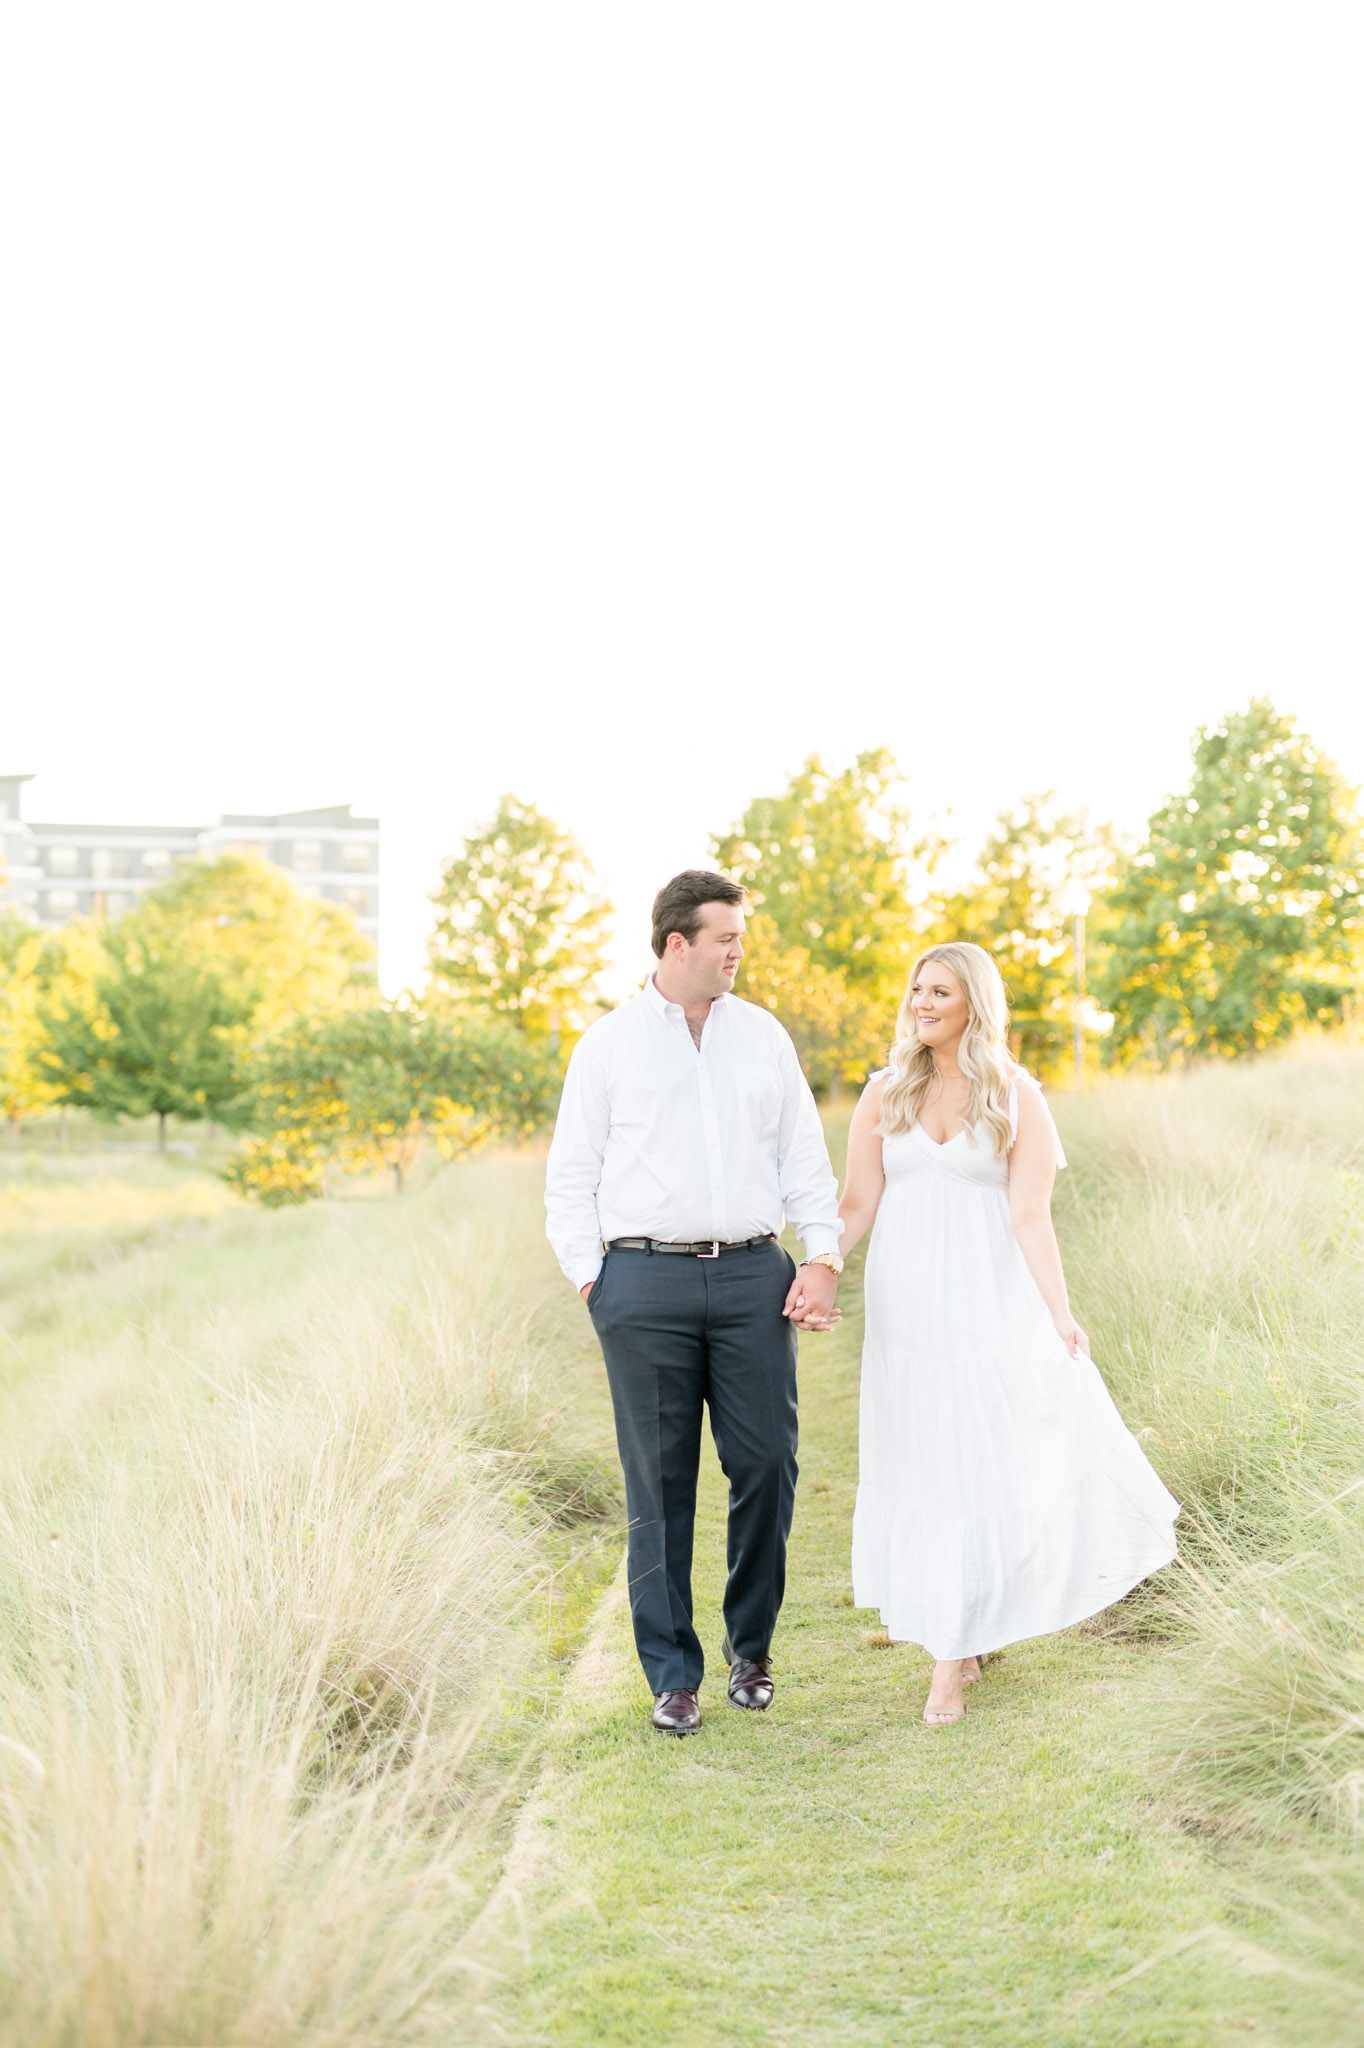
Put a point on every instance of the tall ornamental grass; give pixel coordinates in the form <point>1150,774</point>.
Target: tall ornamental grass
<point>271,1620</point>
<point>1214,1230</point>
<point>1203,1228</point>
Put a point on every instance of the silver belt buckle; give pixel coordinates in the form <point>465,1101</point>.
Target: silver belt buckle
<point>714,1251</point>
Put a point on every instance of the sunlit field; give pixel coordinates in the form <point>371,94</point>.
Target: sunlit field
<point>1216,1227</point>
<point>296,1533</point>
<point>1147,1832</point>
<point>305,1513</point>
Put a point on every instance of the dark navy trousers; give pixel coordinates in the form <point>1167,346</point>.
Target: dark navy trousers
<point>679,1334</point>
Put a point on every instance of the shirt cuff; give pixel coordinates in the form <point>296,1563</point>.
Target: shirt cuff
<point>821,1237</point>
<point>585,1270</point>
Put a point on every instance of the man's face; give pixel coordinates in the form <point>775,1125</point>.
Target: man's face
<point>712,962</point>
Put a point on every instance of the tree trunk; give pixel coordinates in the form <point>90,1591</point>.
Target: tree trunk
<point>161,1131</point>
<point>397,1176</point>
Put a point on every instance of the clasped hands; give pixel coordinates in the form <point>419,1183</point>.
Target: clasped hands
<point>810,1301</point>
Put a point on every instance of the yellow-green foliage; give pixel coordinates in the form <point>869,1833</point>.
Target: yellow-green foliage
<point>1240,919</point>
<point>154,1013</point>
<point>831,865</point>
<point>364,1086</point>
<point>831,861</point>
<point>1235,924</point>
<point>521,929</point>
<point>840,1033</point>
<point>1040,864</point>
<point>278,952</point>
<point>25,1090</point>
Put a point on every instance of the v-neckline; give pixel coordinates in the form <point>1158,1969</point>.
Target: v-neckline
<point>946,1141</point>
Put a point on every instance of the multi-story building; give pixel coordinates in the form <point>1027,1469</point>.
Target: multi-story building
<point>51,873</point>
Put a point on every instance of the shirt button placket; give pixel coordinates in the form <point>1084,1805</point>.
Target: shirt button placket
<point>715,1161</point>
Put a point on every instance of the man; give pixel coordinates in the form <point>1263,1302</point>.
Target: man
<point>686,1129</point>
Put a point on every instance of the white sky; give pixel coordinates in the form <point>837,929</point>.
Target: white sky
<point>402,404</point>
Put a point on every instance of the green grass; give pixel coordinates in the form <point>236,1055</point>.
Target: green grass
<point>305,1515</point>
<point>1098,1853</point>
<point>1221,1242</point>
<point>299,1519</point>
<point>834,1871</point>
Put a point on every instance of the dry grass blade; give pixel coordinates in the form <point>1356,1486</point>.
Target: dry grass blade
<point>264,1620</point>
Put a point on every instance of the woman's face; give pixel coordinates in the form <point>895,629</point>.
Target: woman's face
<point>938,1001</point>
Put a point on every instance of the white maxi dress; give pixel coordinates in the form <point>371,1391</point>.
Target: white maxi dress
<point>999,1494</point>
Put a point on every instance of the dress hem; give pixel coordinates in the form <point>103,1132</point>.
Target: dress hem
<point>1083,1612</point>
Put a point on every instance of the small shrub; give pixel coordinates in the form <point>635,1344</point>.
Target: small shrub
<point>366,1087</point>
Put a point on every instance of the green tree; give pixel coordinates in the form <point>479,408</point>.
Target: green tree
<point>521,931</point>
<point>834,873</point>
<point>832,863</point>
<point>24,1089</point>
<point>279,953</point>
<point>840,1033</point>
<point>1037,867</point>
<point>1240,918</point>
<point>150,1034</point>
<point>150,1016</point>
<point>367,1085</point>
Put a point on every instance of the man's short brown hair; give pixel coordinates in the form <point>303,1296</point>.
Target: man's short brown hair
<point>679,903</point>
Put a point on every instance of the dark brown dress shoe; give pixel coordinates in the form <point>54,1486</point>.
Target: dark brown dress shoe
<point>677,1713</point>
<point>750,1682</point>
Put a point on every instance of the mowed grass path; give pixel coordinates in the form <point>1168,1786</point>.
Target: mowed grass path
<point>834,1871</point>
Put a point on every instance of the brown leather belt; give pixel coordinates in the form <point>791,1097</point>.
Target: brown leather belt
<point>701,1248</point>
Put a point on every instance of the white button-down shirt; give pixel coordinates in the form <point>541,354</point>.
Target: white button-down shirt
<point>656,1139</point>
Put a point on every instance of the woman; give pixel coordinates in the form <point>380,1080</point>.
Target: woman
<point>1000,1496</point>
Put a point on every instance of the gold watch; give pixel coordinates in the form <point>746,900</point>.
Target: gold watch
<point>830,1259</point>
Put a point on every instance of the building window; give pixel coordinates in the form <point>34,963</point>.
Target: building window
<point>307,856</point>
<point>61,902</point>
<point>156,860</point>
<point>108,863</point>
<point>356,855</point>
<point>63,860</point>
<point>356,900</point>
<point>116,902</point>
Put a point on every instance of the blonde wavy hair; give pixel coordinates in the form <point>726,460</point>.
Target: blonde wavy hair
<point>983,1054</point>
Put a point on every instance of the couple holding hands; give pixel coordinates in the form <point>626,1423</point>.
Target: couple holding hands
<point>999,1496</point>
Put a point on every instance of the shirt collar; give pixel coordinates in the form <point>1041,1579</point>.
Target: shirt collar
<point>658,1002</point>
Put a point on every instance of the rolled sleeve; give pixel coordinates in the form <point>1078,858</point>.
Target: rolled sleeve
<point>809,1191</point>
<point>573,1172</point>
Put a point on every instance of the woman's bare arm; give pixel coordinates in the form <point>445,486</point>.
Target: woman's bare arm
<point>1032,1171</point>
<point>865,1179</point>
